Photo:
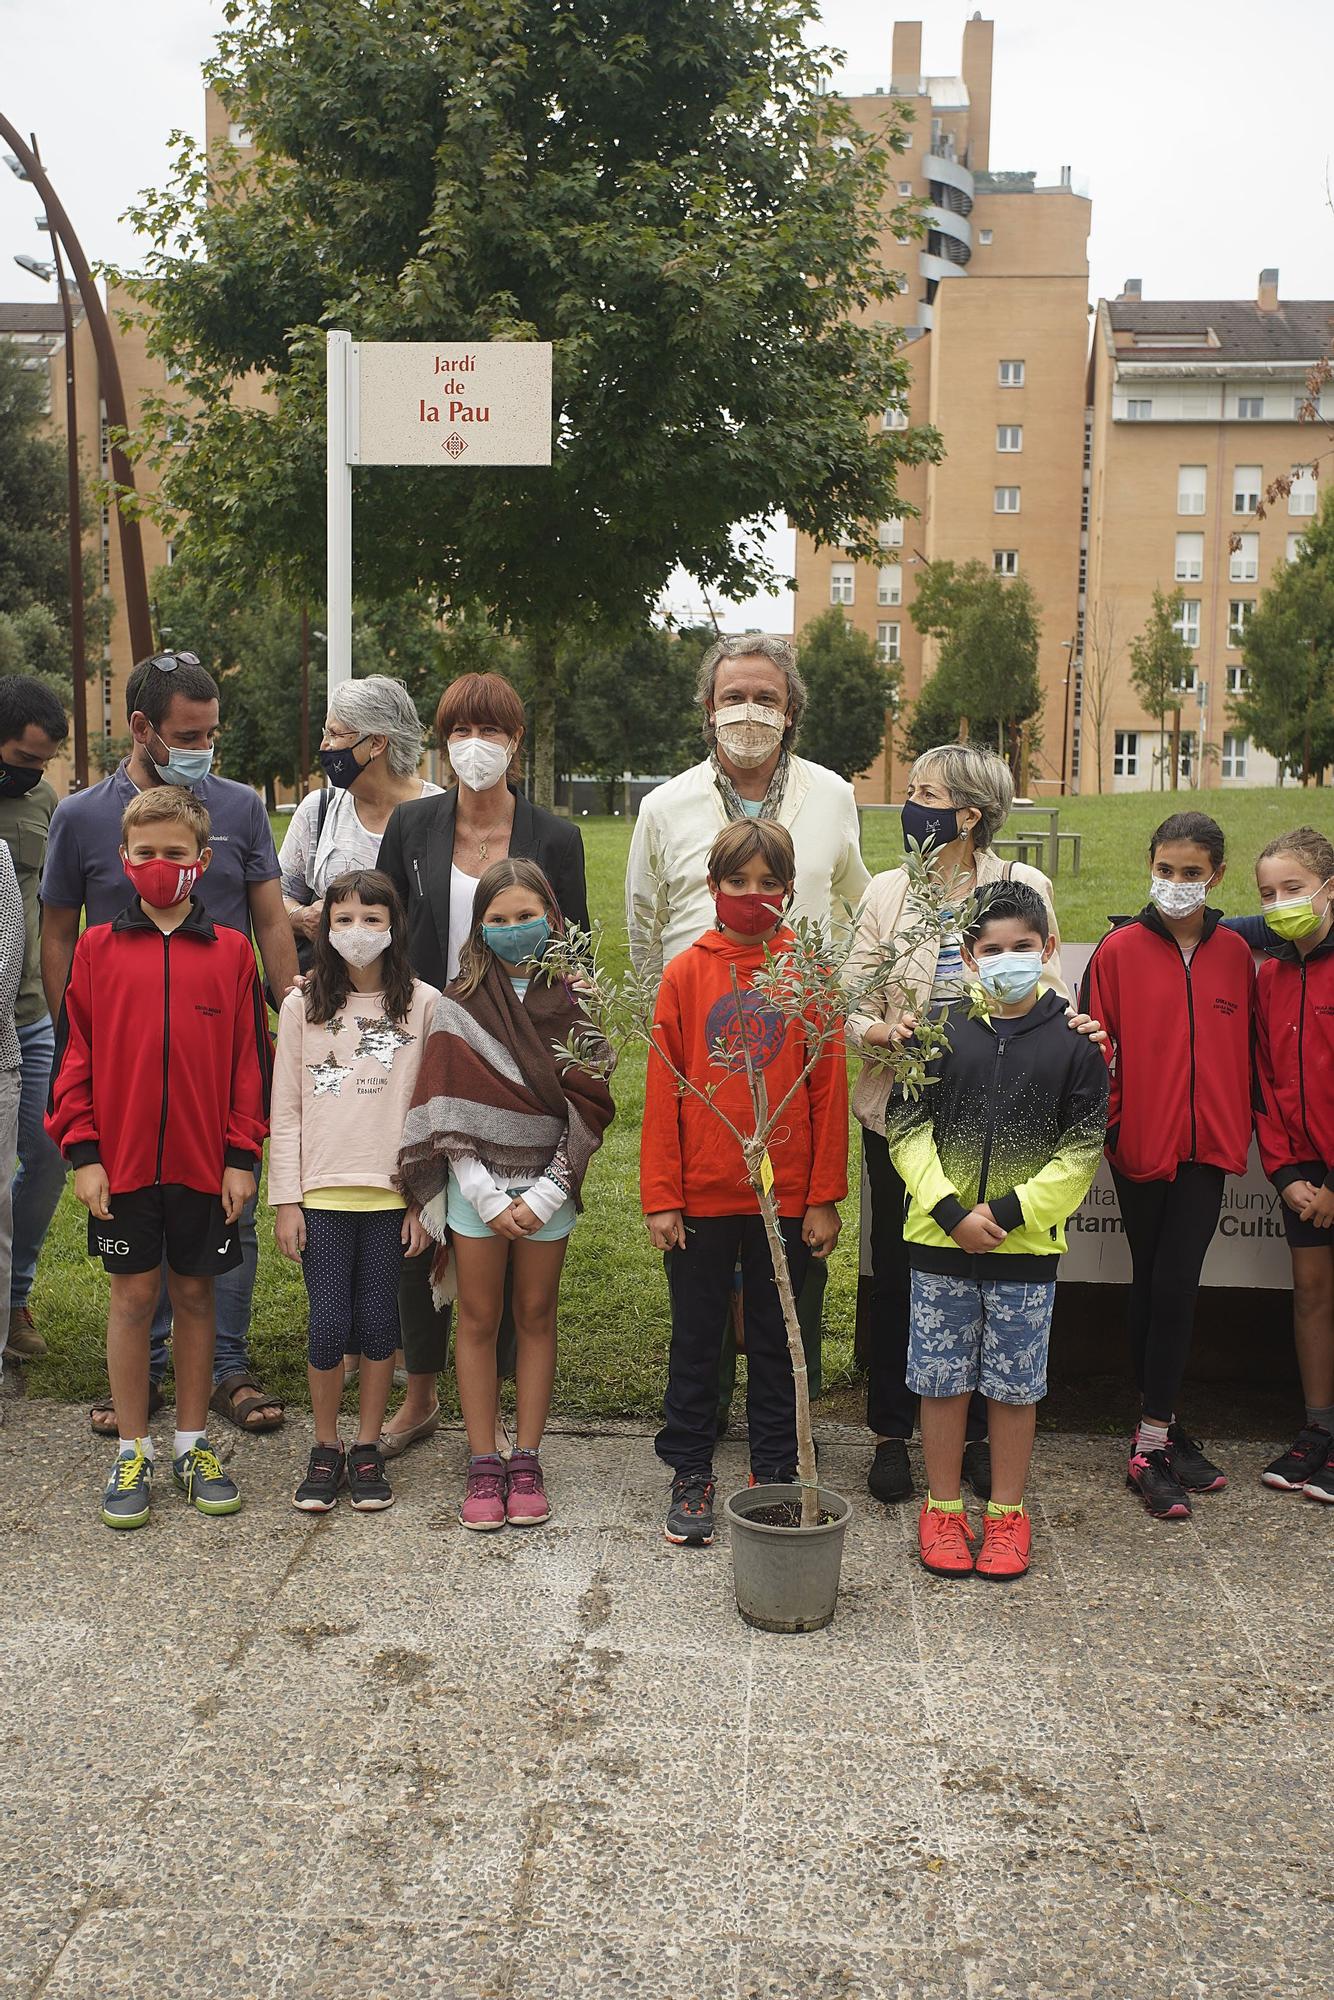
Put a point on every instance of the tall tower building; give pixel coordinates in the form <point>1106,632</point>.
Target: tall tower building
<point>994,304</point>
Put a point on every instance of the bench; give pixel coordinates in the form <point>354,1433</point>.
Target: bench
<point>1026,847</point>
<point>1075,840</point>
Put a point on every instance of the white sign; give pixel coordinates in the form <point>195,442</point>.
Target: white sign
<point>413,402</point>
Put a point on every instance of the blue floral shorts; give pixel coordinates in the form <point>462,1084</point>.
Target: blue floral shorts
<point>979,1333</point>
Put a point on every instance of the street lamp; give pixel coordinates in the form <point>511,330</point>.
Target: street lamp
<point>35,266</point>
<point>1068,648</point>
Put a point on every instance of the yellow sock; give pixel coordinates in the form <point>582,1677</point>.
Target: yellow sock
<point>944,1506</point>
<point>995,1507</point>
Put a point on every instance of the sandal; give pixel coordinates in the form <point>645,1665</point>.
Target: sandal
<point>239,1410</point>
<point>393,1444</point>
<point>105,1408</point>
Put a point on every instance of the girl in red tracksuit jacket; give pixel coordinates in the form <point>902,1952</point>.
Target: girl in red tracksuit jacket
<point>697,1198</point>
<point>1173,987</point>
<point>1294,1123</point>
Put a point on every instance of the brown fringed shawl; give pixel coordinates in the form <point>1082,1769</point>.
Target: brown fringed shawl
<point>490,1088</point>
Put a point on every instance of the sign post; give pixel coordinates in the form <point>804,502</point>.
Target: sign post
<point>419,402</point>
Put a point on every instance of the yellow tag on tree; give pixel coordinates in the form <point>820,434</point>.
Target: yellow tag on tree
<point>767,1172</point>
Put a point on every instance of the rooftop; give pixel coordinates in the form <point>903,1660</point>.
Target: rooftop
<point>25,318</point>
<point>1227,329</point>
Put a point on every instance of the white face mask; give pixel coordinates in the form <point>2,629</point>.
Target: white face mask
<point>749,732</point>
<point>359,944</point>
<point>477,763</point>
<point>1178,899</point>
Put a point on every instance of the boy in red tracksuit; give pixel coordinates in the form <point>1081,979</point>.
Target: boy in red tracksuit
<point>1174,988</point>
<point>160,1102</point>
<point>696,1193</point>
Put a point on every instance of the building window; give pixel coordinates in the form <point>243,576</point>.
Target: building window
<point>239,134</point>
<point>890,534</point>
<point>1005,562</point>
<point>1243,565</point>
<point>1186,625</point>
<point>1007,500</point>
<point>1250,408</point>
<point>1186,755</point>
<point>887,642</point>
<point>1011,374</point>
<point>889,585</point>
<point>1301,496</point>
<point>1238,612</point>
<point>1190,558</point>
<point>1246,489</point>
<point>171,554</point>
<point>905,187</point>
<point>1009,437</point>
<point>842,577</point>
<point>1190,489</point>
<point>1295,545</point>
<point>1234,756</point>
<point>900,238</point>
<point>1139,409</point>
<point>1238,680</point>
<point>1125,753</point>
<point>895,419</point>
<point>984,236</point>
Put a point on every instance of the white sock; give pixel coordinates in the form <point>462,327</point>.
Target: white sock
<point>129,1445</point>
<point>183,1442</point>
<point>1150,1437</point>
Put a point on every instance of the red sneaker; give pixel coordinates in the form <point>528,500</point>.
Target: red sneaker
<point>945,1543</point>
<point>1007,1542</point>
<point>484,1501</point>
<point>526,1504</point>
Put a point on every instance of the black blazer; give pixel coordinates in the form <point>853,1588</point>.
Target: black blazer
<point>417,853</point>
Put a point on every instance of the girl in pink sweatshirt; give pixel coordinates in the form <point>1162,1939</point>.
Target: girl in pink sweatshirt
<point>349,1048</point>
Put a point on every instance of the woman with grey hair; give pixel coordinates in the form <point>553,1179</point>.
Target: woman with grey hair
<point>370,750</point>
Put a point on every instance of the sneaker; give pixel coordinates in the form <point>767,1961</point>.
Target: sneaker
<point>945,1543</point>
<point>890,1477</point>
<point>1007,1540</point>
<point>526,1503</point>
<point>1303,1457</point>
<point>1151,1475</point>
<point>368,1491</point>
<point>1320,1486</point>
<point>203,1482</point>
<point>1197,1473</point>
<point>690,1516</point>
<point>977,1467</point>
<point>24,1343</point>
<point>484,1497</point>
<point>318,1491</point>
<point>129,1490</point>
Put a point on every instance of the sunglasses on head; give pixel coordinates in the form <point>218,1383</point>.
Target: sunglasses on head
<point>167,663</point>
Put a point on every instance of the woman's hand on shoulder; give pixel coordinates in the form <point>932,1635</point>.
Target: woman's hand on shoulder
<point>1084,1024</point>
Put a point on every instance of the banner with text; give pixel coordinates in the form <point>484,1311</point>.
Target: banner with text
<point>415,402</point>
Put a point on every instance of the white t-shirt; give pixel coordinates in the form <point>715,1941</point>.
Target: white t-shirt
<point>308,865</point>
<point>462,894</point>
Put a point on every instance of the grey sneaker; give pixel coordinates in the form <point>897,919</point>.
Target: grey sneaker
<point>690,1515</point>
<point>129,1490</point>
<point>203,1482</point>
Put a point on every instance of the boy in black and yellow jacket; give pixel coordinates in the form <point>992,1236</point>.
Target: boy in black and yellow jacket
<point>997,1151</point>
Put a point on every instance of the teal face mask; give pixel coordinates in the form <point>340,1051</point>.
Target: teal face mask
<point>1009,976</point>
<point>516,943</point>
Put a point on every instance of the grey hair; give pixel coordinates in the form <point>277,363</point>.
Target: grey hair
<point>771,646</point>
<point>973,777</point>
<point>378,706</point>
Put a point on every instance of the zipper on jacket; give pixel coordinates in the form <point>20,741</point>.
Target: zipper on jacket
<point>1301,1064</point>
<point>417,876</point>
<point>1190,1016</point>
<point>166,1051</point>
<point>1002,1043</point>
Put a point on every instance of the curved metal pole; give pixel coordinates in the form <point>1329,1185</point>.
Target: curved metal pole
<point>78,655</point>
<point>113,395</point>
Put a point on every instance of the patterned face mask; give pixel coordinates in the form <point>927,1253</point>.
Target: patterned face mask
<point>359,944</point>
<point>749,732</point>
<point>1178,899</point>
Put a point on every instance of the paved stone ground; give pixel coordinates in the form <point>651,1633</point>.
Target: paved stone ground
<point>547,1765</point>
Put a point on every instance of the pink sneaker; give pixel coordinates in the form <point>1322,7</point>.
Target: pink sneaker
<point>484,1501</point>
<point>526,1503</point>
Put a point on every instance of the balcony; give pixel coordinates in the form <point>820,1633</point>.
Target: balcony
<point>934,269</point>
<point>951,225</point>
<point>950,174</point>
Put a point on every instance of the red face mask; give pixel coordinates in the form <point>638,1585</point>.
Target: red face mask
<point>163,884</point>
<point>752,916</point>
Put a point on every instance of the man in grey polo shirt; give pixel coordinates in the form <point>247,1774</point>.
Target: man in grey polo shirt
<point>173,713</point>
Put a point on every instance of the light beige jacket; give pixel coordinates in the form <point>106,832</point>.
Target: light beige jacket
<point>887,910</point>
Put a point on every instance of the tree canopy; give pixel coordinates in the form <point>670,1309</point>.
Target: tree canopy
<point>1288,650</point>
<point>1162,665</point>
<point>988,628</point>
<point>849,692</point>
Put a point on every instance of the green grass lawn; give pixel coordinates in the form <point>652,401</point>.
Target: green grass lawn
<point>614,1323</point>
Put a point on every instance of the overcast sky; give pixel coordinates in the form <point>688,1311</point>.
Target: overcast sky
<point>1204,134</point>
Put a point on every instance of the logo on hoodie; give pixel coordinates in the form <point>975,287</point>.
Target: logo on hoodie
<point>761,1025</point>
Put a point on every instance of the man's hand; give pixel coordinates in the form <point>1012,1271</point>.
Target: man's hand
<point>93,1189</point>
<point>820,1228</point>
<point>667,1230</point>
<point>1297,1194</point>
<point>1084,1024</point>
<point>1320,1209</point>
<point>882,1036</point>
<point>416,1237</point>
<point>289,1229</point>
<point>238,1187</point>
<point>978,1232</point>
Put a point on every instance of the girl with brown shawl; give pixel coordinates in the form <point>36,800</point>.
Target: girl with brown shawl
<point>495,1150</point>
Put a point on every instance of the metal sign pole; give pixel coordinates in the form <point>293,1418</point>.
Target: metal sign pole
<point>338,618</point>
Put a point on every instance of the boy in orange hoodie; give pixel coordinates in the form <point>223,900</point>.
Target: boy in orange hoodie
<point>696,1194</point>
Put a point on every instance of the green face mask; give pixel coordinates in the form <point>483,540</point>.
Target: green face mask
<point>1296,919</point>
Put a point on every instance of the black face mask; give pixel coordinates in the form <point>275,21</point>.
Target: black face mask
<point>16,779</point>
<point>341,767</point>
<point>937,824</point>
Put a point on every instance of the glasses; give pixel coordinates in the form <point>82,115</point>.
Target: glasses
<point>167,663</point>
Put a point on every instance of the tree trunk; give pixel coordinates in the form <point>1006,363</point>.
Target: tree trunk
<point>1176,748</point>
<point>806,1468</point>
<point>544,722</point>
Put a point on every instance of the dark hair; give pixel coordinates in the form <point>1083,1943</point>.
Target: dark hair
<point>149,691</point>
<point>329,983</point>
<point>514,873</point>
<point>24,701</point>
<point>1197,828</point>
<point>476,699</point>
<point>1009,899</point>
<point>743,840</point>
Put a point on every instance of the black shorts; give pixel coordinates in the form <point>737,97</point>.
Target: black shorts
<point>1304,1235</point>
<point>188,1226</point>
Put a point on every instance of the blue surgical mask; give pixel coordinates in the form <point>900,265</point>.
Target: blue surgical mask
<point>516,943</point>
<point>183,767</point>
<point>1010,976</point>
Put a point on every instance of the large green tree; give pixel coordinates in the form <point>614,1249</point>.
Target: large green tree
<point>849,690</point>
<point>667,195</point>
<point>33,496</point>
<point>1288,650</point>
<point>988,628</point>
<point>629,708</point>
<point>1162,667</point>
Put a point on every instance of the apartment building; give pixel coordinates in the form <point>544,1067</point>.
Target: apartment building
<point>1195,408</point>
<point>994,307</point>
